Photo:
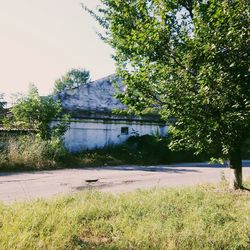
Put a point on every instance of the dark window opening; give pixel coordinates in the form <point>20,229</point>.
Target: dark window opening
<point>124,130</point>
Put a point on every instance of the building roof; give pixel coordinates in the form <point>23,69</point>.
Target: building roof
<point>97,100</point>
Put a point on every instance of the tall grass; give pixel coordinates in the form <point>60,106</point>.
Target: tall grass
<point>190,218</point>
<point>31,152</point>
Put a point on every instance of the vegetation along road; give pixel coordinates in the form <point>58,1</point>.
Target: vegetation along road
<point>35,184</point>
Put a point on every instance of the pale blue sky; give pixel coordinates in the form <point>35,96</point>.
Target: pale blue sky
<point>42,39</point>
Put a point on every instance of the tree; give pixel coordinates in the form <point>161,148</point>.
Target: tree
<point>2,108</point>
<point>72,78</point>
<point>36,112</point>
<point>189,61</point>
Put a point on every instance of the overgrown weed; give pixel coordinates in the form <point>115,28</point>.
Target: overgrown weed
<point>31,152</point>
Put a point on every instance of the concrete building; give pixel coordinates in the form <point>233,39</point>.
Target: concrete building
<point>94,124</point>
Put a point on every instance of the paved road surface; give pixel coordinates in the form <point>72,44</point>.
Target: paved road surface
<point>35,184</point>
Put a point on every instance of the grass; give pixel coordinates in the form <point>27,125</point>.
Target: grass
<point>188,218</point>
<point>29,152</point>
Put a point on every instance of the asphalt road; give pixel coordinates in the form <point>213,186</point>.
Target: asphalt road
<point>37,184</point>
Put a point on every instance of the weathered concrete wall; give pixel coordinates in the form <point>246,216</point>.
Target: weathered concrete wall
<point>97,96</point>
<point>91,134</point>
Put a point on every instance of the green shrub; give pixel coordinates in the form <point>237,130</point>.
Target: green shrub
<point>149,148</point>
<point>246,150</point>
<point>32,152</point>
<point>142,150</point>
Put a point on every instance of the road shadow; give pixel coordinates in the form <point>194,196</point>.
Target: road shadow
<point>110,168</point>
<point>148,169</point>
<point>31,172</point>
<point>175,168</point>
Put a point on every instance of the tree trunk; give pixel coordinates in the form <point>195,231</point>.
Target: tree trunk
<point>235,165</point>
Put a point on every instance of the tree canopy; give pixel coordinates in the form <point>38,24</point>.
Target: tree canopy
<point>2,108</point>
<point>189,61</point>
<point>72,78</point>
<point>36,112</point>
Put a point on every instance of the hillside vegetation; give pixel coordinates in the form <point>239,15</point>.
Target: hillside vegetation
<point>30,152</point>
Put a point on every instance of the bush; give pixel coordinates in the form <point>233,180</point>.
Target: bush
<point>141,150</point>
<point>155,149</point>
<point>246,150</point>
<point>32,152</point>
<point>149,149</point>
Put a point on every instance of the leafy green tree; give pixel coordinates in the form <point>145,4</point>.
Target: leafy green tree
<point>189,61</point>
<point>2,108</point>
<point>36,112</point>
<point>72,78</point>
